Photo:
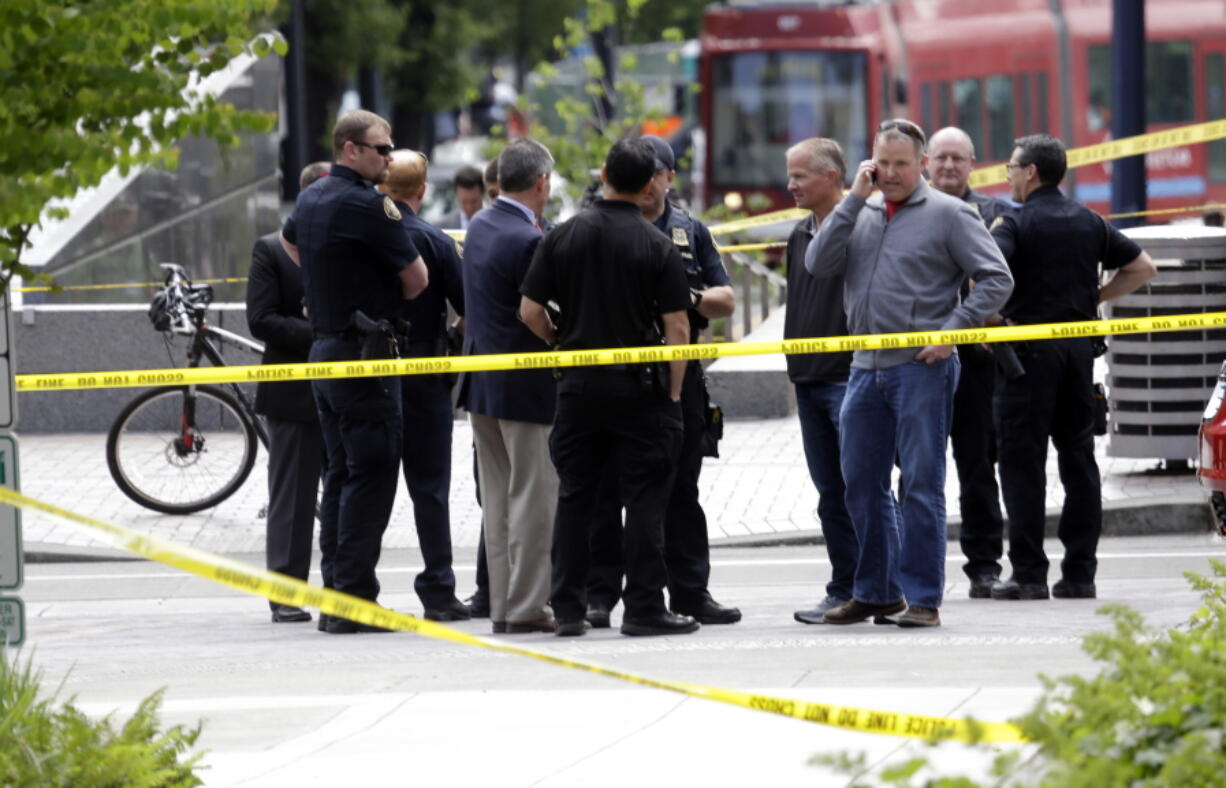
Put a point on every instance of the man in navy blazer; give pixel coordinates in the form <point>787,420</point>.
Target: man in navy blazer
<point>512,410</point>
<point>296,448</point>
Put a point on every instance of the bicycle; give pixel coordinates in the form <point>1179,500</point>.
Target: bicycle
<point>180,450</point>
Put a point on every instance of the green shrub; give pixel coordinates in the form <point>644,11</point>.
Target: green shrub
<point>1155,717</point>
<point>46,743</point>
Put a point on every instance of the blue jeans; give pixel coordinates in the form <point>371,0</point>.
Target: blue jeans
<point>902,412</point>
<point>818,406</point>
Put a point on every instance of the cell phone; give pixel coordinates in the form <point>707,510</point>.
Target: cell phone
<point>872,176</point>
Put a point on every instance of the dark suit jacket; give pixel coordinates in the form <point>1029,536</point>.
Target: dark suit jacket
<point>497,251</point>
<point>274,315</point>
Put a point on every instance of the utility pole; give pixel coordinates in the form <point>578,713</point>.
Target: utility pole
<point>1128,106</point>
<point>296,144</point>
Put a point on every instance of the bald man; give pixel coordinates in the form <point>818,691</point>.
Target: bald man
<point>426,399</point>
<point>951,157</point>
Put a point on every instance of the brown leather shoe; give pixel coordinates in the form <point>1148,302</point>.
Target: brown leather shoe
<point>500,627</point>
<point>545,624</point>
<point>917,616</point>
<point>856,611</point>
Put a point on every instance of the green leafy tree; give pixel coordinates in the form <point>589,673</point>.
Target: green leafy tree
<point>609,108</point>
<point>90,86</point>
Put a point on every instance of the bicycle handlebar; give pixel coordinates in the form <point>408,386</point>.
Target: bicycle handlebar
<point>185,304</point>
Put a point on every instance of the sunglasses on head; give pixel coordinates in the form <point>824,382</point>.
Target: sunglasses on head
<point>382,150</point>
<point>905,126</point>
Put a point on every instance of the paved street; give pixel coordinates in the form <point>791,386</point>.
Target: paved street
<point>286,705</point>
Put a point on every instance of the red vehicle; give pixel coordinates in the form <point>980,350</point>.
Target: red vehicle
<point>773,75</point>
<point>1212,472</point>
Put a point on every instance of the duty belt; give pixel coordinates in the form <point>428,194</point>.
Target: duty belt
<point>351,334</point>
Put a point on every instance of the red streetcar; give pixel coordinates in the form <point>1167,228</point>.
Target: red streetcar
<point>776,74</point>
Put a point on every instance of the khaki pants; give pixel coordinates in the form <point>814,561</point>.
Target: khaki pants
<point>519,496</point>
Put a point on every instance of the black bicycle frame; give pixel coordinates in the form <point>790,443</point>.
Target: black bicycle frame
<point>202,347</point>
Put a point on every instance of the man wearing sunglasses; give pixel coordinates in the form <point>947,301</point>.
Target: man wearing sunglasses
<point>904,254</point>
<point>356,255</point>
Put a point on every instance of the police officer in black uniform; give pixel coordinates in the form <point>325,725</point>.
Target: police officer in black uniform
<point>951,157</point>
<point>1054,247</point>
<point>686,548</point>
<point>425,400</point>
<point>613,276</point>
<point>356,256</point>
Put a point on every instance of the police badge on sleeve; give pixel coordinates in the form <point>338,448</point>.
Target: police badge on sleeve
<point>390,209</point>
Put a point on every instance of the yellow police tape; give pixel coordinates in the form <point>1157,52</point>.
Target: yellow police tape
<point>123,285</point>
<point>582,358</point>
<point>290,591</point>
<point>1077,157</point>
<point>752,247</point>
<point>1121,148</point>
<point>796,214</point>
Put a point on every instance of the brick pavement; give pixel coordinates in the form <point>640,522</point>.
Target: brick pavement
<point>758,488</point>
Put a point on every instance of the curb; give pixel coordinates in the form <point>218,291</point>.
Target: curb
<point>1158,516</point>
<point>39,553</point>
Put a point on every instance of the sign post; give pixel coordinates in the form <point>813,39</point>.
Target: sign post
<point>12,611</point>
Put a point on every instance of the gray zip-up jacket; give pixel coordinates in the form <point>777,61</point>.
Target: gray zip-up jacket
<point>905,275</point>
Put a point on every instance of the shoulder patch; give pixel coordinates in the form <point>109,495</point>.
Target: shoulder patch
<point>390,209</point>
<point>997,222</point>
<point>679,237</point>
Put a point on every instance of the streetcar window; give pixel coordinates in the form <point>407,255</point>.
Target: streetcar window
<point>1000,118</point>
<point>1215,107</point>
<point>1168,84</point>
<point>1098,105</point>
<point>1044,127</point>
<point>887,108</point>
<point>968,97</point>
<point>926,106</point>
<point>764,102</point>
<point>1027,111</point>
<point>943,105</point>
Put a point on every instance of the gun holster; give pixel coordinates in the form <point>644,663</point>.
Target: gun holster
<point>381,339</point>
<point>1007,362</point>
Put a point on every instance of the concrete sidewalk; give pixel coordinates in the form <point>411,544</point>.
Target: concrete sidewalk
<point>757,492</point>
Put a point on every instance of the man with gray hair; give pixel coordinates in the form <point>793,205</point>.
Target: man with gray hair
<point>816,173</point>
<point>899,402</point>
<point>511,411</point>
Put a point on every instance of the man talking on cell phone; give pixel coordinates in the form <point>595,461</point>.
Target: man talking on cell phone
<point>899,401</point>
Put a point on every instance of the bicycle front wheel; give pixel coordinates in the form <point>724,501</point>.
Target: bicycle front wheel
<point>181,450</point>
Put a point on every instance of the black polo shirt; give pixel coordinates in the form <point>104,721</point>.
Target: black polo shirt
<point>612,275</point>
<point>1054,246</point>
<point>352,246</point>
